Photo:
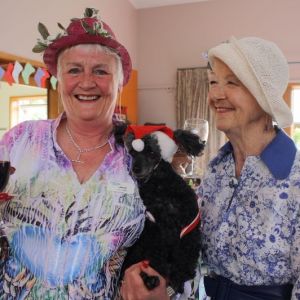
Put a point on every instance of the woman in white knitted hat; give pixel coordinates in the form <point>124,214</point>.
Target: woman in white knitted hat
<point>251,191</point>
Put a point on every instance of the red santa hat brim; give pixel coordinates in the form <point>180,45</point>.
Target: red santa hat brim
<point>141,130</point>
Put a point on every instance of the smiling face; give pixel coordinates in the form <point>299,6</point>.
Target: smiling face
<point>236,110</point>
<point>88,83</point>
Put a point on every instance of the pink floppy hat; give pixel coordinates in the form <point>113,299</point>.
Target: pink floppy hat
<point>87,30</point>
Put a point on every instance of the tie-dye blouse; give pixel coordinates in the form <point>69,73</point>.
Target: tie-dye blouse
<point>66,239</point>
<point>251,226</point>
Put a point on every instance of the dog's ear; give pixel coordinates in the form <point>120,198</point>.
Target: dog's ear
<point>189,142</point>
<point>128,138</point>
<point>119,131</point>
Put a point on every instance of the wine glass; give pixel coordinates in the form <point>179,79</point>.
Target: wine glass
<point>4,167</point>
<point>5,170</point>
<point>199,127</point>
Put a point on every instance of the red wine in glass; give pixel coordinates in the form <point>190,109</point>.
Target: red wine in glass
<point>4,167</point>
<point>4,174</point>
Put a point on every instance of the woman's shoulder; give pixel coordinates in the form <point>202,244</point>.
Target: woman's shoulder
<point>222,155</point>
<point>28,129</point>
<point>32,125</point>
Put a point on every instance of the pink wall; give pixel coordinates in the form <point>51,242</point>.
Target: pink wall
<point>175,37</point>
<point>21,19</point>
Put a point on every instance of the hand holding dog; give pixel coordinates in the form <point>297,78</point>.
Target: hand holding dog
<point>133,287</point>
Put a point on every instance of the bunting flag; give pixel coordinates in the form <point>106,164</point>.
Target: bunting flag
<point>27,71</point>
<point>8,74</point>
<point>53,82</point>
<point>11,73</point>
<point>16,71</point>
<point>44,78</point>
<point>2,72</point>
<point>38,77</point>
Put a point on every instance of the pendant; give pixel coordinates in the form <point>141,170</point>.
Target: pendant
<point>77,160</point>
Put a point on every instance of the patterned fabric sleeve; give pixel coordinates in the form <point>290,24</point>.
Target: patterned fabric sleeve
<point>295,261</point>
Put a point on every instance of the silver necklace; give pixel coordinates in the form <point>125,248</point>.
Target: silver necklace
<point>82,150</point>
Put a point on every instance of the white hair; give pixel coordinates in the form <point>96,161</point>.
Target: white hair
<point>100,48</point>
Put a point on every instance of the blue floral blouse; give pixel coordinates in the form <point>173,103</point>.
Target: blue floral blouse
<point>251,226</point>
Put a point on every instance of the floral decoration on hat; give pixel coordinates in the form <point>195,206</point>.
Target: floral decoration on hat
<point>96,29</point>
<point>87,30</point>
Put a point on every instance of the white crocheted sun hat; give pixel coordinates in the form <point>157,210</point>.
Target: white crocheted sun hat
<point>262,68</point>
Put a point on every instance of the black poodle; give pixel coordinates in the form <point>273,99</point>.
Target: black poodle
<point>170,240</point>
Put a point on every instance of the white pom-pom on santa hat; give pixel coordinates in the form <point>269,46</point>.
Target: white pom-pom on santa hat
<point>167,145</point>
<point>138,145</point>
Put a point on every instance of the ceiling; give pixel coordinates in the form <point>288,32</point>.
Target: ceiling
<point>139,4</point>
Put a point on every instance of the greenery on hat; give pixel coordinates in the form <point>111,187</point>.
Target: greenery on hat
<point>47,39</point>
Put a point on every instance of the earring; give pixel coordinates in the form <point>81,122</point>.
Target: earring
<point>268,123</point>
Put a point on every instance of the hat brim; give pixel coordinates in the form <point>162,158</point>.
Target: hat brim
<point>52,52</point>
<point>232,55</point>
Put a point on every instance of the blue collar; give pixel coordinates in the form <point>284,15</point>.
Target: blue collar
<point>278,156</point>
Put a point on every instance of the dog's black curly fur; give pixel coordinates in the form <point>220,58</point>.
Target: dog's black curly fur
<point>173,204</point>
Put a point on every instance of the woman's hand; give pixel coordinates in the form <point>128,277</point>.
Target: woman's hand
<point>180,162</point>
<point>133,287</point>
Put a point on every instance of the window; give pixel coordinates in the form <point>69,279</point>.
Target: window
<point>295,105</point>
<point>28,108</point>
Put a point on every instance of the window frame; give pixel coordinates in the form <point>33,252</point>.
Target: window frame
<point>12,104</point>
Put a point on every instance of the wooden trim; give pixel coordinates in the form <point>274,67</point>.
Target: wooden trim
<point>7,58</point>
<point>128,98</point>
<point>288,95</point>
<point>288,99</point>
<point>54,105</point>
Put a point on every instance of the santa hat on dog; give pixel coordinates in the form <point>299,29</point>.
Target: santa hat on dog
<point>163,134</point>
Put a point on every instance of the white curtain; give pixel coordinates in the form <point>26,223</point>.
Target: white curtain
<point>191,102</point>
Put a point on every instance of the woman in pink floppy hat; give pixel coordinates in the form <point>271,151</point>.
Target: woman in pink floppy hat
<point>250,195</point>
<point>75,207</point>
